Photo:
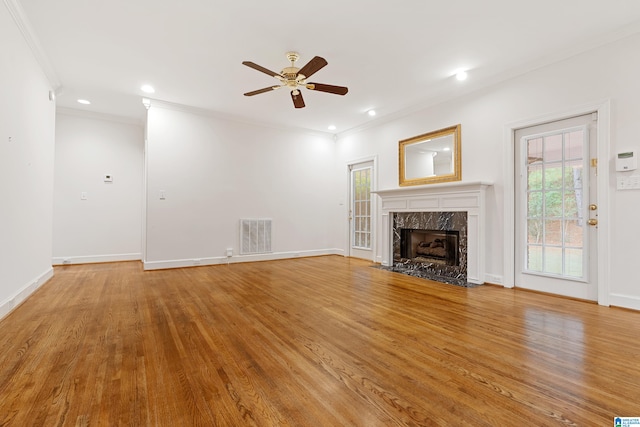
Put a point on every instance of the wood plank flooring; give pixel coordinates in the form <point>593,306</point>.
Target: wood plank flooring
<point>324,341</point>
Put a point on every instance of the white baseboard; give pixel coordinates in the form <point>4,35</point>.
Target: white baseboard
<point>90,259</point>
<point>624,301</point>
<point>196,262</point>
<point>23,293</point>
<point>494,279</point>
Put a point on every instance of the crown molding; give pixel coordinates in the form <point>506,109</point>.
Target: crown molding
<point>494,80</point>
<point>98,116</point>
<point>158,103</point>
<point>23,24</point>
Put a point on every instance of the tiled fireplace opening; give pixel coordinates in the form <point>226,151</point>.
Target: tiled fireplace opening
<point>437,246</point>
<point>431,245</point>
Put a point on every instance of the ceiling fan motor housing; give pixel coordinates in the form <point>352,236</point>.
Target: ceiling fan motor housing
<point>291,73</point>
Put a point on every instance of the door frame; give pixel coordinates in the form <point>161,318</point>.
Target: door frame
<point>374,206</point>
<point>603,109</point>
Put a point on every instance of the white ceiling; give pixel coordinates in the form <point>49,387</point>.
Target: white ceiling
<point>394,56</point>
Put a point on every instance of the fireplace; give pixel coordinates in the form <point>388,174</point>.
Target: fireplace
<point>432,245</point>
<point>450,209</point>
<point>437,246</point>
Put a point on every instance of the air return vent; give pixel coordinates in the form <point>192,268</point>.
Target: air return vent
<point>255,236</point>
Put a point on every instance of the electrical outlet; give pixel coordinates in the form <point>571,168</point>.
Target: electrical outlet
<point>229,252</point>
<point>493,278</point>
<point>197,261</point>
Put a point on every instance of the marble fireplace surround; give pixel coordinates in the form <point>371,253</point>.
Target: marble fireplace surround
<point>466,197</point>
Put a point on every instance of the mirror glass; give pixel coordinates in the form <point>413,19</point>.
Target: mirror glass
<point>431,158</point>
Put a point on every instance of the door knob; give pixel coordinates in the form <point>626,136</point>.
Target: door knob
<point>593,207</point>
<point>592,221</point>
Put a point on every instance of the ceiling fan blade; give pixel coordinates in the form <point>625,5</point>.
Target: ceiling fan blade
<point>321,87</point>
<point>298,102</point>
<point>263,90</point>
<point>262,69</point>
<point>312,66</point>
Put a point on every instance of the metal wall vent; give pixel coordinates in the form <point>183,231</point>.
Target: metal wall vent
<point>255,236</point>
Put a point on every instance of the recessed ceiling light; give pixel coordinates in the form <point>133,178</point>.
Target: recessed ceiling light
<point>147,89</point>
<point>332,127</point>
<point>371,113</point>
<point>84,102</point>
<point>446,149</point>
<point>461,75</point>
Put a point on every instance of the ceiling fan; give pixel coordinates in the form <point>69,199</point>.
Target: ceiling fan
<point>292,77</point>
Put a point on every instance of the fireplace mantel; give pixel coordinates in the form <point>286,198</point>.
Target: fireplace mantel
<point>449,197</point>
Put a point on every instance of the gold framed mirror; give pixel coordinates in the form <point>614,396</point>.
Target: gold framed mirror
<point>430,158</point>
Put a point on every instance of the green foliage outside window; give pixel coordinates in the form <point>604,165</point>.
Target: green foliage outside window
<point>553,197</point>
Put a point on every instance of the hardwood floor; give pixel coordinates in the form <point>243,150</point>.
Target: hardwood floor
<point>325,341</point>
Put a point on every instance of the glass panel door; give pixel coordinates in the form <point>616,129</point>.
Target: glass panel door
<point>556,208</point>
<point>361,215</point>
<point>361,208</point>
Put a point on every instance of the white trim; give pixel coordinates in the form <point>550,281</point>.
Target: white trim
<point>145,190</point>
<point>90,259</point>
<point>98,116</point>
<point>447,95</point>
<point>158,103</point>
<point>199,262</point>
<point>603,108</point>
<point>439,188</point>
<point>23,293</point>
<point>626,301</point>
<point>604,227</point>
<point>23,24</point>
<point>493,279</point>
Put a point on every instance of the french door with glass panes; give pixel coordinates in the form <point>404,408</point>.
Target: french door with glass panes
<point>360,210</point>
<point>556,208</point>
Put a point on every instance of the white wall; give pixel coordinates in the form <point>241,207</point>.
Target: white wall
<point>26,168</point>
<point>215,171</point>
<point>107,226</point>
<point>608,72</point>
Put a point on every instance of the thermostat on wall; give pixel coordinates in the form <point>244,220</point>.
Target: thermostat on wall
<point>626,161</point>
<point>108,178</point>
